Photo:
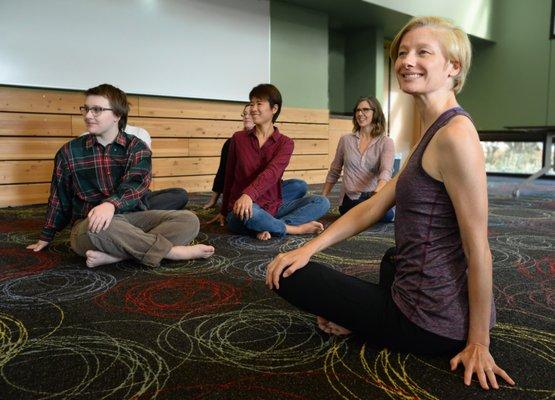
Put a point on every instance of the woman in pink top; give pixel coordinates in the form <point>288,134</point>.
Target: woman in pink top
<point>435,289</point>
<point>366,157</point>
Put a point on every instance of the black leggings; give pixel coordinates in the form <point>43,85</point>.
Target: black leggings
<point>362,307</point>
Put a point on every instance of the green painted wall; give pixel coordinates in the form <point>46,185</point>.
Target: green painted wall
<point>336,81</point>
<point>355,67</point>
<point>551,99</point>
<point>363,65</point>
<point>508,81</point>
<point>299,55</point>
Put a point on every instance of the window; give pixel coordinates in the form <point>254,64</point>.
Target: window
<point>513,157</point>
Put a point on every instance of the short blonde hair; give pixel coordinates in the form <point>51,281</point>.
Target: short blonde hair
<point>453,39</point>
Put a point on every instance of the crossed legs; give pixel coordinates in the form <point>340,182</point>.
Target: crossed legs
<point>146,236</point>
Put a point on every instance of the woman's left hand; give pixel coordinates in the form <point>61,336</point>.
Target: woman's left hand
<point>477,359</point>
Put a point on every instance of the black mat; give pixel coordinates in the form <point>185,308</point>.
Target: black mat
<point>211,330</point>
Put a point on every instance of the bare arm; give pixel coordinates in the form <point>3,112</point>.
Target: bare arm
<point>387,157</point>
<point>335,167</point>
<point>460,163</point>
<point>356,220</point>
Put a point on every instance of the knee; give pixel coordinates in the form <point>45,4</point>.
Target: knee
<point>298,281</point>
<point>189,219</point>
<point>183,197</point>
<point>301,187</point>
<point>323,203</point>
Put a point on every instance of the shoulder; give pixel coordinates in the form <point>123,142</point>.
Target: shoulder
<point>386,140</point>
<point>239,135</point>
<point>347,138</point>
<point>76,143</point>
<point>135,144</point>
<point>457,134</point>
<point>139,132</point>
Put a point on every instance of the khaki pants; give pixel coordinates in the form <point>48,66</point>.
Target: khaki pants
<point>146,236</point>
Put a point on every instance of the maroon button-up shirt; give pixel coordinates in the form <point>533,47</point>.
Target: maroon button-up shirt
<point>256,171</point>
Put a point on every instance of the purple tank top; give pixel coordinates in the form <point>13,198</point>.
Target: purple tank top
<point>430,285</point>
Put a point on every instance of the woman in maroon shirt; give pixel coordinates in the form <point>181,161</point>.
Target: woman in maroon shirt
<point>252,199</point>
<point>435,288</point>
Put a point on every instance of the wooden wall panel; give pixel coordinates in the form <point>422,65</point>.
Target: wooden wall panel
<point>170,127</point>
<point>202,147</point>
<point>25,171</point>
<point>170,147</point>
<point>184,108</point>
<point>337,128</point>
<point>22,148</point>
<point>17,99</point>
<point>23,124</point>
<point>199,183</point>
<point>163,167</point>
<point>303,131</point>
<point>187,139</point>
<point>23,195</point>
<point>304,115</point>
<point>311,147</point>
<point>313,176</point>
<point>307,162</point>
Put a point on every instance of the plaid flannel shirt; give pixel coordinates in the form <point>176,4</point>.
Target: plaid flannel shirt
<point>87,174</point>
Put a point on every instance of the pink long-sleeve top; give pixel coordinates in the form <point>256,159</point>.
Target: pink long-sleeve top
<point>361,171</point>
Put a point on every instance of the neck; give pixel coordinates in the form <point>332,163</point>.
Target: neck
<point>366,130</point>
<point>107,137</point>
<point>431,105</point>
<point>265,130</point>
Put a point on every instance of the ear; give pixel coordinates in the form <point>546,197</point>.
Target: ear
<point>275,109</point>
<point>455,68</point>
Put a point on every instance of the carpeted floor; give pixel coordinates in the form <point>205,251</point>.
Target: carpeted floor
<point>211,330</point>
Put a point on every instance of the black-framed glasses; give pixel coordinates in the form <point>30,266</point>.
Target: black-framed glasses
<point>364,110</point>
<point>95,110</point>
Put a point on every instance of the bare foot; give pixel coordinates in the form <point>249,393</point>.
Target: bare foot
<point>96,258</point>
<point>209,204</point>
<point>190,252</point>
<point>263,235</point>
<point>212,201</point>
<point>309,227</point>
<point>331,327</point>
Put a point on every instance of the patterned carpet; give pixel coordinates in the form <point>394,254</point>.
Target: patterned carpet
<point>211,330</point>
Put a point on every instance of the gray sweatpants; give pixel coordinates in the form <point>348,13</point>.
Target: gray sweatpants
<point>146,236</point>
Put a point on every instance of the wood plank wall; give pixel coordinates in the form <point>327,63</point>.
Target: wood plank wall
<point>187,136</point>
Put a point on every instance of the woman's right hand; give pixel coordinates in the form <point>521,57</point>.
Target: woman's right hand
<point>290,262</point>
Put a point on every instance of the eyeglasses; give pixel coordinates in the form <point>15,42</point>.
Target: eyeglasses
<point>363,110</point>
<point>94,110</point>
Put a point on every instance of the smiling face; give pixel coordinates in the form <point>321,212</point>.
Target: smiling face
<point>364,114</point>
<point>421,64</point>
<point>261,111</point>
<point>105,122</point>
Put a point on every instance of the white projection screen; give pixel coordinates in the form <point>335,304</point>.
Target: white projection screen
<point>208,49</point>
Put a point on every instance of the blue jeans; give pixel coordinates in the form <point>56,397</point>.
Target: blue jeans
<point>296,212</point>
<point>293,189</point>
<point>347,204</point>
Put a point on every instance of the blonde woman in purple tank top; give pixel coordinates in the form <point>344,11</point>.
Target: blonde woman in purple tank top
<point>435,289</point>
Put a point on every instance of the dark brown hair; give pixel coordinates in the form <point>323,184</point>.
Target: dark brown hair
<point>378,118</point>
<point>116,97</point>
<point>267,91</point>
